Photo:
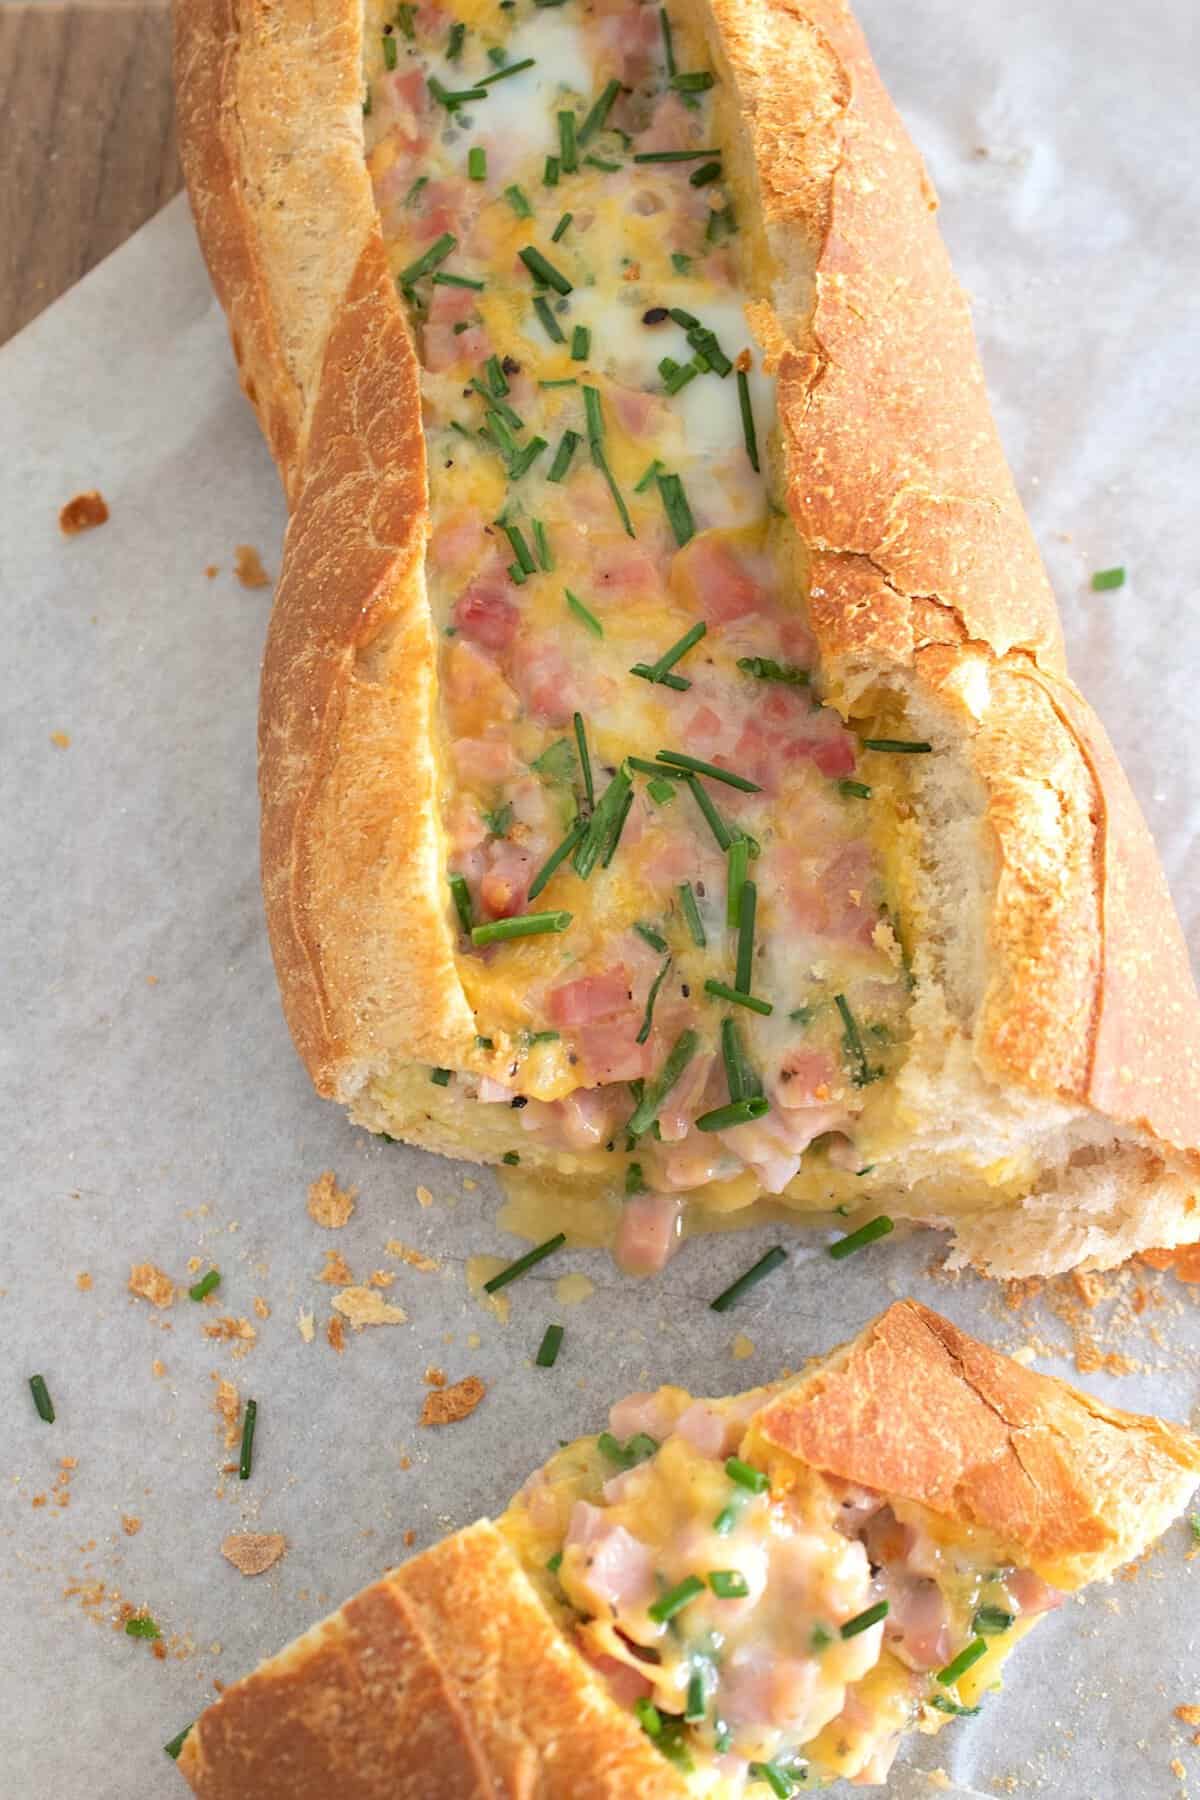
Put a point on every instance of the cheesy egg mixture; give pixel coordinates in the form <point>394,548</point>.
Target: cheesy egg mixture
<point>673,926</point>
<point>772,1629</point>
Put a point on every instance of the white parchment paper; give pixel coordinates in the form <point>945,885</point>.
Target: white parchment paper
<point>154,1109</point>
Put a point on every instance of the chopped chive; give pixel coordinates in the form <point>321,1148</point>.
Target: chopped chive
<point>581,343</point>
<point>484,1043</point>
<point>568,444</point>
<point>550,324</point>
<point>748,431</point>
<point>648,479</point>
<point>551,1343</point>
<point>677,377</point>
<point>41,1398</point>
<point>691,913</point>
<point>517,199</point>
<point>777,1779</point>
<point>696,81</point>
<point>425,265</point>
<point>668,44</point>
<point>511,1157</point>
<point>942,1703</point>
<point>898,746</point>
<point>696,1704</point>
<point>738,997</point>
<point>728,1584</point>
<point>524,925</point>
<point>600,461</point>
<point>458,281</point>
<point>516,574</point>
<point>721,225</point>
<point>499,821</point>
<point>656,1091</point>
<point>739,1073</point>
<point>550,172</point>
<point>542,1037</point>
<point>735,879</point>
<point>648,1717</point>
<point>461,894</point>
<point>554,1563</point>
<point>646,767</point>
<point>557,762</point>
<point>765,1265</point>
<point>661,792</point>
<point>858,1240</point>
<point>673,156</point>
<point>747,907</point>
<point>635,1450</point>
<point>863,1621</point>
<point>605,826</point>
<point>601,162</point>
<point>753,1480</point>
<point>651,997</point>
<point>205,1285</point>
<point>453,99</point>
<point>497,404</point>
<point>594,412</point>
<point>585,760</point>
<point>176,1744</point>
<point>565,381</point>
<point>854,790</point>
<point>560,230</point>
<point>454,44</point>
<point>681,264</point>
<point>694,766</point>
<point>647,932</point>
<point>504,73</point>
<point>520,548</point>
<point>405,15</point>
<point>389,52</point>
<point>991,1621</point>
<point>728,1516</point>
<point>966,1659</point>
<point>477,163</point>
<point>704,177</point>
<point>544,271</point>
<point>765,668</point>
<point>366,105</point>
<point>141,1626</point>
<point>581,612</point>
<point>862,1074</point>
<point>675,504</point>
<point>1104,579</point>
<point>594,121</point>
<point>541,545</point>
<point>568,155</point>
<point>738,1112</point>
<point>675,1599</point>
<point>716,823</point>
<point>249,1421</point>
<point>440,1077</point>
<point>708,351</point>
<point>635,1182</point>
<point>677,651</point>
<point>530,1260</point>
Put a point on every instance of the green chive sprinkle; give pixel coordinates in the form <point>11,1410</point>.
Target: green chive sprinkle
<point>477,163</point>
<point>654,938</point>
<point>520,548</point>
<point>458,281</point>
<point>691,912</point>
<point>404,18</point>
<point>647,1109</point>
<point>755,1481</point>
<point>461,894</point>
<point>511,1157</point>
<point>991,1621</point>
<point>600,461</point>
<point>585,761</point>
<point>704,177</point>
<point>677,651</point>
<point>554,1563</point>
<point>1104,579</point>
<point>716,823</point>
<point>550,324</point>
<point>694,766</point>
<point>675,1599</point>
<point>863,1621</point>
<point>366,105</point>
<point>249,1421</point>
<point>581,343</point>
<point>735,880</point>
<point>568,445</point>
<point>942,1703</point>
<point>517,200</point>
<point>736,997</point>
<point>205,1285</point>
<point>142,1627</point>
<point>681,264</point>
<point>524,925</point>
<point>454,44</point>
<point>440,1077</point>
<point>728,1516</point>
<point>854,790</point>
<point>898,746</point>
<point>693,82</point>
<point>544,271</point>
<point>582,613</point>
<point>504,73</point>
<point>674,156</point>
<point>604,828</point>
<point>648,479</point>
<point>966,1659</point>
<point>652,996</point>
<point>765,1266</point>
<point>765,668</point>
<point>425,265</point>
<point>675,504</point>
<point>747,906</point>
<point>635,1450</point>
<point>41,1398</point>
<point>858,1240</point>
<point>176,1744</point>
<point>559,232</point>
<point>748,431</point>
<point>389,52</point>
<point>740,1077</point>
<point>696,1704</point>
<point>530,1260</point>
<point>738,1112</point>
<point>777,1779</point>
<point>594,121</point>
<point>567,153</point>
<point>728,1584</point>
<point>452,100</point>
<point>550,172</point>
<point>541,545</point>
<point>521,463</point>
<point>668,44</point>
<point>863,1074</point>
<point>557,762</point>
<point>677,682</point>
<point>648,1717</point>
<point>635,1181</point>
<point>594,412</point>
<point>484,1043</point>
<point>661,792</point>
<point>547,1355</point>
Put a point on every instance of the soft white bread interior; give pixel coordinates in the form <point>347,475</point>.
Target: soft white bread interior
<point>458,1673</point>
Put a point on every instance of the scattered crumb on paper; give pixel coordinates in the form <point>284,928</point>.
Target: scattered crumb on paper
<point>83,1281</point>
<point>364,1306</point>
<point>337,1271</point>
<point>743,1347</point>
<point>424,1197</point>
<point>83,513</point>
<point>306,1325</point>
<point>130,1524</point>
<point>149,1283</point>
<point>252,1552</point>
<point>329,1204</point>
<point>247,566</point>
<point>228,1404</point>
<point>335,1334</point>
<point>61,740</point>
<point>446,1406</point>
<point>416,1259</point>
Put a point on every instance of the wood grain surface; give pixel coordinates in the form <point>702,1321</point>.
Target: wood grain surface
<point>87,140</point>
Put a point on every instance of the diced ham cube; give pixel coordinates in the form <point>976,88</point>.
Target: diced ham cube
<point>1030,1594</point>
<point>649,1413</point>
<point>615,1569</point>
<point>648,1234</point>
<point>484,611</point>
<point>588,998</point>
<point>725,584</point>
<point>485,761</point>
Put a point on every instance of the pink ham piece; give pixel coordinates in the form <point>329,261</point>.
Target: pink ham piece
<point>707,1430</point>
<point>484,613</point>
<point>505,885</point>
<point>648,1234</point>
<point>442,345</point>
<point>616,1569</point>
<point>544,681</point>
<point>917,1626</point>
<point>1030,1594</point>
<point>586,1118</point>
<point>588,998</point>
<point>478,694</point>
<point>726,586</point>
<point>638,1413</point>
<point>625,1683</point>
<point>611,1051</point>
<point>483,760</point>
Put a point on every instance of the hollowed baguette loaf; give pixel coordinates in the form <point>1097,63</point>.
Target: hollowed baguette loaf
<point>1041,1097</point>
<point>476,1670</point>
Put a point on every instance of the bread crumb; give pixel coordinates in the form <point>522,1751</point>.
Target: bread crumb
<point>424,1197</point>
<point>1024,1354</point>
<point>61,740</point>
<point>1189,1714</point>
<point>414,1258</point>
<point>230,1329</point>
<point>406,1462</point>
<point>253,1552</point>
<point>1178,1770</point>
<point>83,1281</point>
<point>329,1204</point>
<point>473,1340</point>
<point>306,1325</point>
<point>228,1404</point>
<point>742,1347</point>
<point>157,1367</point>
<point>211,570</point>
<point>261,1307</point>
<point>435,1377</point>
<point>447,1406</point>
<point>83,513</point>
<point>337,1271</point>
<point>247,566</point>
<point>410,1538</point>
<point>363,1306</point>
<point>149,1283</point>
<point>1090,1285</point>
<point>469,1184</point>
<point>335,1333</point>
<point>380,1278</point>
<point>130,1525</point>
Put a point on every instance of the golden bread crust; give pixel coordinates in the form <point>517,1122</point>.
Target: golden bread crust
<point>447,1677</point>
<point>920,1411</point>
